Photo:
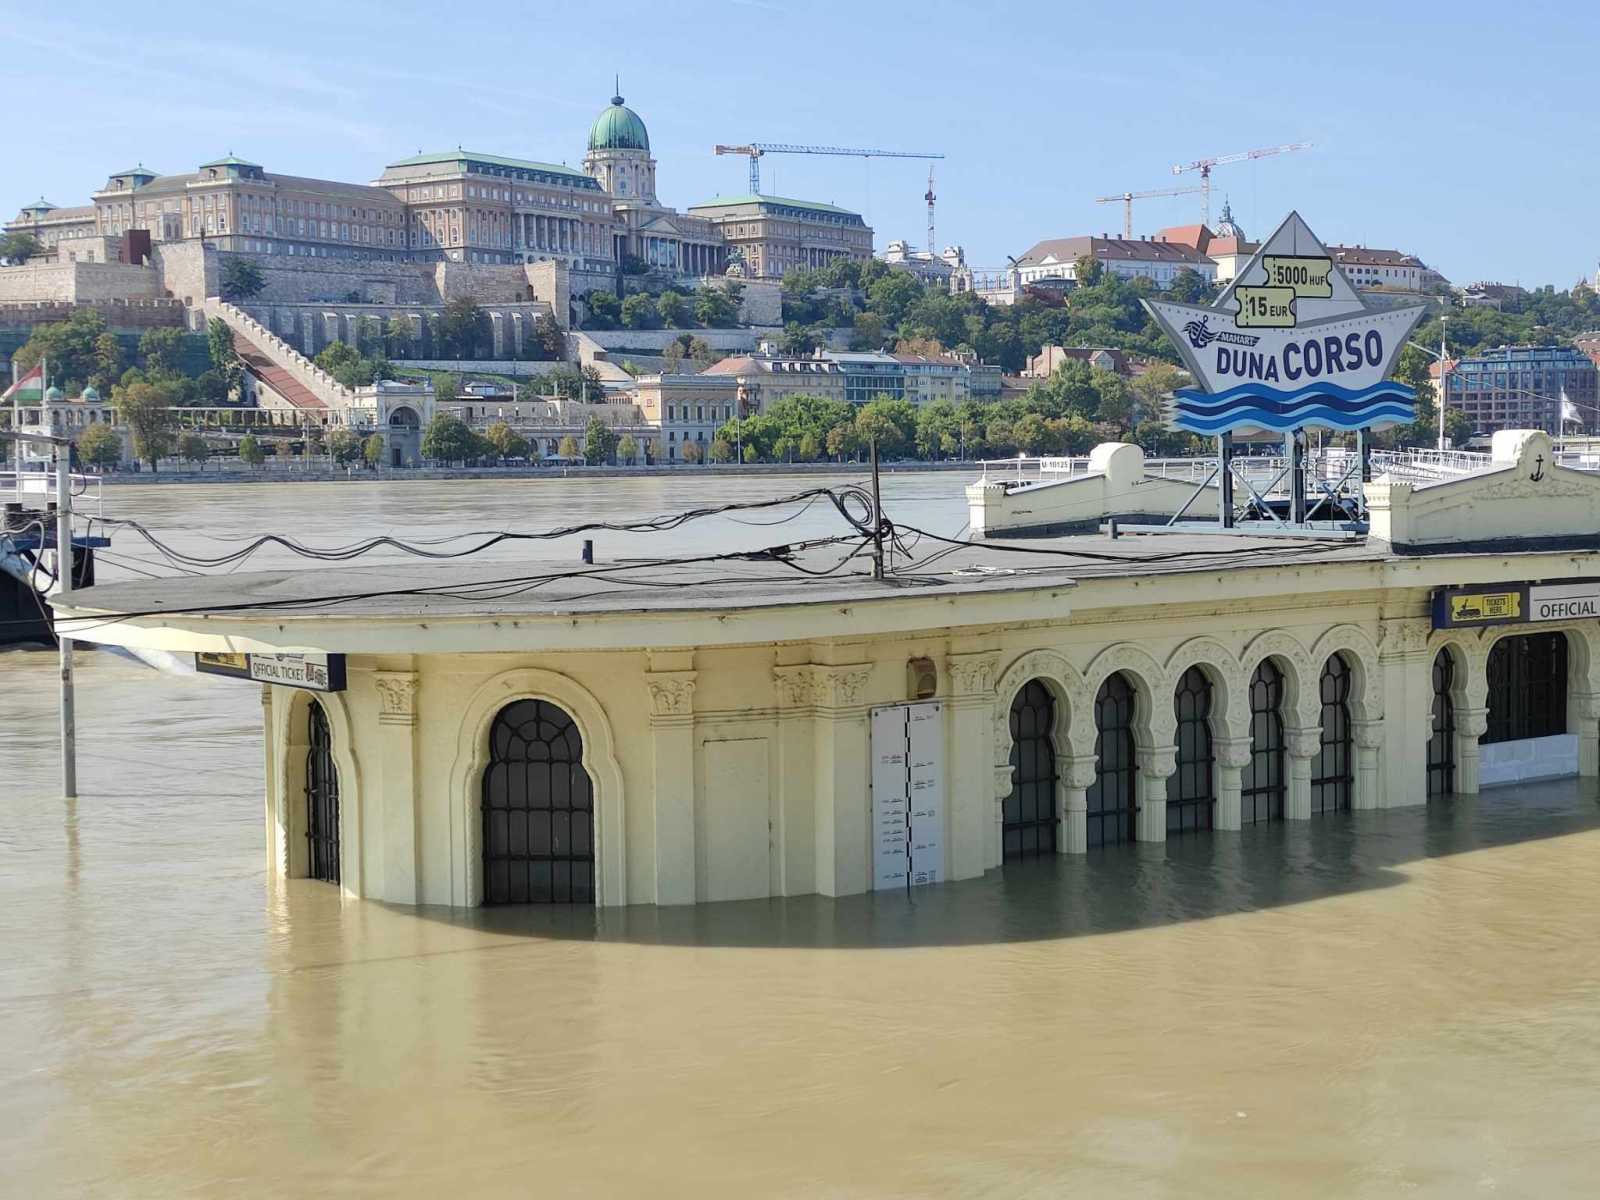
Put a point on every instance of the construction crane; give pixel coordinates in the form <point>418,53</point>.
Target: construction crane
<point>754,151</point>
<point>1204,165</point>
<point>933,250</point>
<point>1126,199</point>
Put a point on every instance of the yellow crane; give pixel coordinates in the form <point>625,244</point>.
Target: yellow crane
<point>1204,165</point>
<point>1126,199</point>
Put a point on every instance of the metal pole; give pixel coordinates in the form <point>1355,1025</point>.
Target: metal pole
<point>1297,477</point>
<point>1440,396</point>
<point>1225,480</point>
<point>69,731</point>
<point>877,517</point>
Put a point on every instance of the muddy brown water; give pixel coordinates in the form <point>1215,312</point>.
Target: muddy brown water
<point>1369,1004</point>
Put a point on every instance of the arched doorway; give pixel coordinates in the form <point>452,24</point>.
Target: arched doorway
<point>1332,774</point>
<point>1262,788</point>
<point>1028,814</point>
<point>1111,795</point>
<point>1527,676</point>
<point>538,809</point>
<point>1442,727</point>
<point>322,798</point>
<point>1191,790</point>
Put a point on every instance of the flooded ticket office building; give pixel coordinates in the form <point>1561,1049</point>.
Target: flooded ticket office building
<point>741,730</point>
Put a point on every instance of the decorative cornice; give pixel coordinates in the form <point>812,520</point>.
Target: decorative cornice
<point>397,697</point>
<point>1233,753</point>
<point>840,687</point>
<point>1303,743</point>
<point>794,685</point>
<point>671,693</point>
<point>1079,771</point>
<point>1397,638</point>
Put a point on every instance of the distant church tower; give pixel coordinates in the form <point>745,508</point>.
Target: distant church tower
<point>619,154</point>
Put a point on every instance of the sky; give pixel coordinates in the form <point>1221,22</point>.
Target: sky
<point>1458,132</point>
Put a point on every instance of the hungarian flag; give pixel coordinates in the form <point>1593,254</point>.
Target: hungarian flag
<point>29,387</point>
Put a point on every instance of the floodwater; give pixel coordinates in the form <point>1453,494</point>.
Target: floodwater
<point>1369,1004</point>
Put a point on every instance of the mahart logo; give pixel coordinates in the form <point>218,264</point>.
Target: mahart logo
<point>1200,333</point>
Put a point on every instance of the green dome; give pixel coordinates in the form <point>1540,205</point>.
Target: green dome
<point>618,128</point>
<point>53,394</point>
<point>90,394</point>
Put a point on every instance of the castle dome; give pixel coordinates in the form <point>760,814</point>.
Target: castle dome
<point>1228,227</point>
<point>618,128</point>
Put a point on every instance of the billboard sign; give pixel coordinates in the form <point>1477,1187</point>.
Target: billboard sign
<point>1289,344</point>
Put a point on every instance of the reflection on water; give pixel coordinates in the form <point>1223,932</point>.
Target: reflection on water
<point>1363,1005</point>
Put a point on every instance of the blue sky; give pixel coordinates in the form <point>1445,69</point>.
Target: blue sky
<point>1459,132</point>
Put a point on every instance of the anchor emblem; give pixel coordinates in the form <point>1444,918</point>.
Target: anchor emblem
<point>1538,469</point>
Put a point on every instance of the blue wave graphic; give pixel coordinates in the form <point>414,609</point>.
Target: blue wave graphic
<point>1330,405</point>
<point>1259,393</point>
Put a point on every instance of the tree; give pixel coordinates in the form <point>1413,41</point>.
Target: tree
<point>628,448</point>
<point>100,446</point>
<point>692,453</point>
<point>639,312</point>
<point>444,388</point>
<point>71,346</point>
<point>250,452</point>
<point>605,311</point>
<point>1151,389</point>
<point>810,449</point>
<point>350,367</point>
<point>701,353</point>
<point>145,409</point>
<point>447,439</point>
<point>867,332</point>
<point>242,278</point>
<point>108,363</point>
<point>162,350</point>
<point>344,446</point>
<point>464,329</point>
<point>17,248</point>
<point>599,442</point>
<point>671,308</point>
<point>1089,270</point>
<point>549,342</point>
<point>505,442</point>
<point>399,335</point>
<point>751,455</point>
<point>893,423</point>
<point>372,449</point>
<point>716,307</point>
<point>224,358</point>
<point>574,383</point>
<point>672,357</point>
<point>194,448</point>
<point>721,450</point>
<point>568,447</point>
<point>1188,286</point>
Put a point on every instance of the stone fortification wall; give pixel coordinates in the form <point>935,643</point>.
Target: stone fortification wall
<point>760,304</point>
<point>77,283</point>
<point>311,328</point>
<point>188,270</point>
<point>119,314</point>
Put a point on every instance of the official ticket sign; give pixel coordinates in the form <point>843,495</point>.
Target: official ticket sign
<point>313,672</point>
<point>1516,603</point>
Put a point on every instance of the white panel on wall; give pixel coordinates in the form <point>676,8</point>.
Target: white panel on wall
<point>907,794</point>
<point>733,835</point>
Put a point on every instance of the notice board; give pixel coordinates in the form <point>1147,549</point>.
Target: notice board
<point>908,794</point>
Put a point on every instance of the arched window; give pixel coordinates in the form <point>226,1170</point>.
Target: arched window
<point>1262,790</point>
<point>1331,773</point>
<point>538,809</point>
<point>1442,728</point>
<point>1190,788</point>
<point>1111,796</point>
<point>1527,687</point>
<point>322,799</point>
<point>1028,815</point>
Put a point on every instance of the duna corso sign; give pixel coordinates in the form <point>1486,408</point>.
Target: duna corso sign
<point>1289,344</point>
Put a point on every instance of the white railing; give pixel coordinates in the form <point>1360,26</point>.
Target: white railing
<point>36,488</point>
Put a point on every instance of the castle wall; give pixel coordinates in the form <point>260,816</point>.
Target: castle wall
<point>77,283</point>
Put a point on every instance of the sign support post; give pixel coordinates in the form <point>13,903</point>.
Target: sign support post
<point>69,723</point>
<point>1225,480</point>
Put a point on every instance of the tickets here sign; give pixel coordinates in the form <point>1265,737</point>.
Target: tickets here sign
<point>313,672</point>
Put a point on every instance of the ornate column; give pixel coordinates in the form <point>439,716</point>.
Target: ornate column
<point>1233,756</point>
<point>276,802</point>
<point>672,743</point>
<point>1471,724</point>
<point>1368,738</point>
<point>1077,777</point>
<point>397,781</point>
<point>969,757</point>
<point>1406,685</point>
<point>1155,764</point>
<point>1585,716</point>
<point>796,783</point>
<point>843,772</point>
<point>1303,745</point>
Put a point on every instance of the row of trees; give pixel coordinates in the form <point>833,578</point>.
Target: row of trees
<point>447,439</point>
<point>709,306</point>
